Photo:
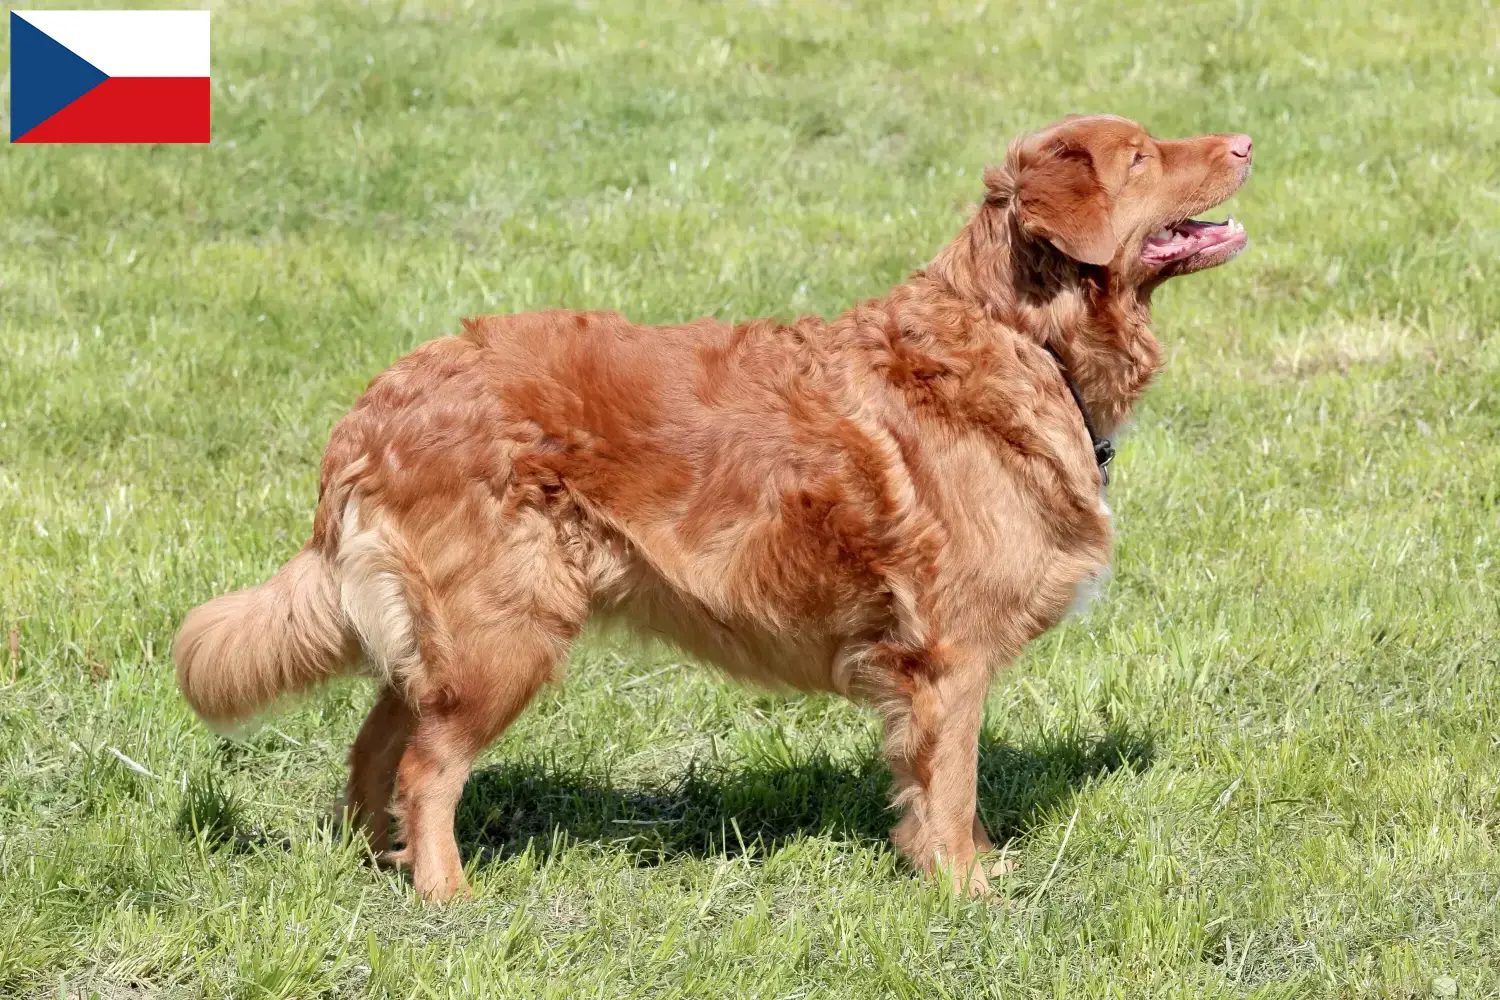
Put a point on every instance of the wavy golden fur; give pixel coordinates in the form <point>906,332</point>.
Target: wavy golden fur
<point>888,505</point>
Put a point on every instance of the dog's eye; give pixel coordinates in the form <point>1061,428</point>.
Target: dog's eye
<point>1137,159</point>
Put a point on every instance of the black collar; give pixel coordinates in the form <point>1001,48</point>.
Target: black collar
<point>1104,448</point>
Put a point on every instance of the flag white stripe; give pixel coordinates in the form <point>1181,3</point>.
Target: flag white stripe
<point>131,42</point>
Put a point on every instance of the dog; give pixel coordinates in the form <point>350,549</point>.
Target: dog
<point>888,505</point>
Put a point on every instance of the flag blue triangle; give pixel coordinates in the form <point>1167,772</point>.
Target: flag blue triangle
<point>45,76</point>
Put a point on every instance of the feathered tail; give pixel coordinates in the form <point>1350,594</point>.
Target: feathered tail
<point>238,652</point>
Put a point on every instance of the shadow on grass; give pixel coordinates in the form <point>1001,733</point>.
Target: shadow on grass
<point>765,801</point>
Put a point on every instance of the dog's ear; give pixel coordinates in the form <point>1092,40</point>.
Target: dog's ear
<point>1060,198</point>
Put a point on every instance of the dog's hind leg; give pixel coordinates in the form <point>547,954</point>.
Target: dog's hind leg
<point>456,719</point>
<point>466,612</point>
<point>372,766</point>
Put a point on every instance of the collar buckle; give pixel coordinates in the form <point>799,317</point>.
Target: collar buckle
<point>1104,453</point>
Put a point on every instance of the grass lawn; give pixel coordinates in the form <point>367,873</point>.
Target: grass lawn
<point>1266,764</point>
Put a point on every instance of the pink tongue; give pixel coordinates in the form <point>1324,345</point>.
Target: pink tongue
<point>1188,236</point>
<point>1197,236</point>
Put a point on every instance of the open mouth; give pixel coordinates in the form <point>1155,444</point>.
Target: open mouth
<point>1193,245</point>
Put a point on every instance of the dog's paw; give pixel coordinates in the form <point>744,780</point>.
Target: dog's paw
<point>972,881</point>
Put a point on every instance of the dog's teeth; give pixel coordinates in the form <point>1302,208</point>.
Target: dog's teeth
<point>1163,234</point>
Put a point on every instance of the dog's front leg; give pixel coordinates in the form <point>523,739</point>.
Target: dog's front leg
<point>932,741</point>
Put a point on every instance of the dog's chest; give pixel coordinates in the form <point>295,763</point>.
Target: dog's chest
<point>1089,589</point>
<point>1018,557</point>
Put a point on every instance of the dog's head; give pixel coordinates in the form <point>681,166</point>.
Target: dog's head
<point>1104,192</point>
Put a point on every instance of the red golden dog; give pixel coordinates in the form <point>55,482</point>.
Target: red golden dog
<point>888,505</point>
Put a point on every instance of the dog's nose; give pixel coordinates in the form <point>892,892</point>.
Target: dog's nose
<point>1240,146</point>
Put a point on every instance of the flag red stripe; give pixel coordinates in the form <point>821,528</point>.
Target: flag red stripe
<point>132,109</point>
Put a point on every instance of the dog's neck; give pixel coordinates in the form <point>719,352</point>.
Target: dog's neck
<point>1100,329</point>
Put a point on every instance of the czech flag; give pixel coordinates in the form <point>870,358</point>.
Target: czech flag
<point>109,76</point>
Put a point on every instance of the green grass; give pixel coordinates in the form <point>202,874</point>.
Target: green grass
<point>1266,764</point>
